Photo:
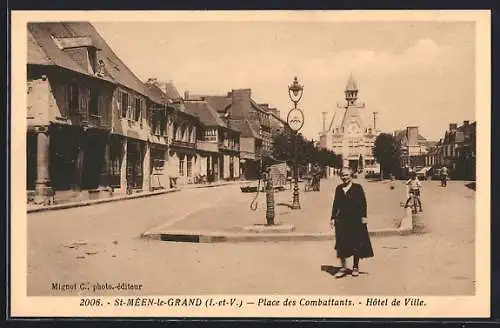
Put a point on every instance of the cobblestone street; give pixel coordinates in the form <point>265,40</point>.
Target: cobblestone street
<point>102,243</point>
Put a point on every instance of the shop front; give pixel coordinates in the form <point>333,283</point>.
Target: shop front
<point>66,160</point>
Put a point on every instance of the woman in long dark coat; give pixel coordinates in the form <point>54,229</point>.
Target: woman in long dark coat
<point>349,219</point>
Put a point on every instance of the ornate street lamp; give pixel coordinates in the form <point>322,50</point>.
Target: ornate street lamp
<point>295,120</point>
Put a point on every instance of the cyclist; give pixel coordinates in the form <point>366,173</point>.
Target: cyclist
<point>414,186</point>
<point>444,176</point>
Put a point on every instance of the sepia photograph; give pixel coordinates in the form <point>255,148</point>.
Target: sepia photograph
<point>250,164</point>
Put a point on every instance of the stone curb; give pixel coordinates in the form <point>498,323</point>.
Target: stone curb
<point>213,185</point>
<point>231,237</point>
<point>99,201</point>
<point>406,228</point>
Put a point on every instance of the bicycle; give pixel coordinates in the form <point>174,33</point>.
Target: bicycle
<point>444,180</point>
<point>415,202</point>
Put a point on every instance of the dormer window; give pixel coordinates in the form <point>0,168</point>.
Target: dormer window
<point>100,68</point>
<point>81,49</point>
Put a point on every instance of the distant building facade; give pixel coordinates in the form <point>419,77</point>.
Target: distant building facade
<point>218,144</point>
<point>457,151</point>
<point>254,123</point>
<point>414,147</point>
<point>350,134</point>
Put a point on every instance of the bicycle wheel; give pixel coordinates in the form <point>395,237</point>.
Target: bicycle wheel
<point>414,205</point>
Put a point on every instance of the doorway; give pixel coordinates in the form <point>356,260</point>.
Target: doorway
<point>134,165</point>
<point>93,160</point>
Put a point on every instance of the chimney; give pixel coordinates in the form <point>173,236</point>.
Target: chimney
<point>466,123</point>
<point>240,102</point>
<point>453,127</point>
<point>186,95</point>
<point>412,135</point>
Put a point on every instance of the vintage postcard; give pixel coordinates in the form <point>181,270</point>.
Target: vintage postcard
<point>316,164</point>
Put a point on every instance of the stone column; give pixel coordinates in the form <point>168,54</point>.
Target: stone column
<point>123,167</point>
<point>43,191</point>
<point>237,167</point>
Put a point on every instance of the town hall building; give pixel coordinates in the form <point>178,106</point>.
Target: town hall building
<point>350,133</point>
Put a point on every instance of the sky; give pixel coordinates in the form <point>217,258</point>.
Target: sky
<point>411,73</point>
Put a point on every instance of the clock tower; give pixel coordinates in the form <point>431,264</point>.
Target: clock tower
<point>350,133</point>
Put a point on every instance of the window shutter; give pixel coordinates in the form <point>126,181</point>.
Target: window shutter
<point>141,110</point>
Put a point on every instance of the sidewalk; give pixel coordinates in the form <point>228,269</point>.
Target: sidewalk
<point>231,221</point>
<point>32,208</point>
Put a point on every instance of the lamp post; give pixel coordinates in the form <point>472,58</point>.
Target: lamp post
<point>295,121</point>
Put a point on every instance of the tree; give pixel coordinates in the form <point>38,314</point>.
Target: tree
<point>283,148</point>
<point>387,152</point>
<point>307,152</point>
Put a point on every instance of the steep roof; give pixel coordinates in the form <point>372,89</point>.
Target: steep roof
<point>171,91</point>
<point>351,85</point>
<point>36,55</point>
<point>207,115</point>
<point>219,103</point>
<point>401,134</point>
<point>44,35</point>
<point>155,93</point>
<point>247,130</point>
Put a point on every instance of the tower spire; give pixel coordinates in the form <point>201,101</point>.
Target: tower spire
<point>351,90</point>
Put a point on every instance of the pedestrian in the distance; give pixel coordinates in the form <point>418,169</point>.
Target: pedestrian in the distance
<point>349,219</point>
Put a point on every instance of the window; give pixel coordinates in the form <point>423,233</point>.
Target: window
<point>211,135</point>
<point>138,107</point>
<point>189,166</point>
<point>124,104</point>
<point>178,134</point>
<point>94,102</point>
<point>181,166</point>
<point>100,68</point>
<point>193,135</point>
<point>182,134</point>
<point>163,125</point>
<point>73,98</point>
<point>156,126</point>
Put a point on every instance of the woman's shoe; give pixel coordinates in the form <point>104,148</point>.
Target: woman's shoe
<point>341,273</point>
<point>355,272</point>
